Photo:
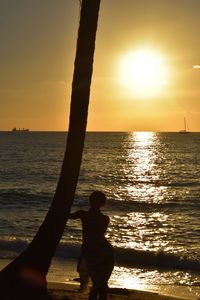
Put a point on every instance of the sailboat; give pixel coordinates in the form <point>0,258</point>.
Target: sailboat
<point>185,127</point>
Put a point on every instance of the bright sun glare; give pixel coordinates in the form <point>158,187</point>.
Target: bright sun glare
<point>143,72</point>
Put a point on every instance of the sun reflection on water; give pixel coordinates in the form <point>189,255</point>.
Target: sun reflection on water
<point>123,277</point>
<point>142,153</point>
<point>136,230</point>
<point>174,283</point>
<point>143,227</point>
<point>141,169</point>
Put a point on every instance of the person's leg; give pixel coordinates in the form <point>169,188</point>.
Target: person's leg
<point>84,275</point>
<point>103,292</point>
<point>93,294</point>
<point>99,293</point>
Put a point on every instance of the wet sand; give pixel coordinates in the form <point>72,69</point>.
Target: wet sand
<point>71,291</point>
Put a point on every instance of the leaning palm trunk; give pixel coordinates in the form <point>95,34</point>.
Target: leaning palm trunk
<point>28,271</point>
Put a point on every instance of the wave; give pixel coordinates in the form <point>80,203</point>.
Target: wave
<point>183,184</point>
<point>26,197</point>
<point>23,196</point>
<point>159,260</point>
<point>126,257</point>
<point>171,205</point>
<point>11,248</point>
<point>137,258</point>
<point>160,183</point>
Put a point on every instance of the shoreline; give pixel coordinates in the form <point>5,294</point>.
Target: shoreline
<point>70,276</point>
<point>59,290</point>
<point>71,291</point>
<point>62,283</point>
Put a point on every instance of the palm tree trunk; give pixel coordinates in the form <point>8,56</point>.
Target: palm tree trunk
<point>29,269</point>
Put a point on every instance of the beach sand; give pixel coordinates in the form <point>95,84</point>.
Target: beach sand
<point>63,277</point>
<point>71,291</point>
<point>63,285</point>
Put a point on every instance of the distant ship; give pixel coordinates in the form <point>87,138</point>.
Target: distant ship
<point>183,131</point>
<point>20,129</point>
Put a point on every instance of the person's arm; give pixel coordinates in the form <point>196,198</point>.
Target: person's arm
<point>76,215</point>
<point>106,222</point>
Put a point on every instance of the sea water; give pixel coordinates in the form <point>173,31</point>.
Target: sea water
<point>151,180</point>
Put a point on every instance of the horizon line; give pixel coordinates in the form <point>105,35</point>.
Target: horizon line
<point>103,131</point>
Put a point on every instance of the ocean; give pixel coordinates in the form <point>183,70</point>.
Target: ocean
<point>152,182</point>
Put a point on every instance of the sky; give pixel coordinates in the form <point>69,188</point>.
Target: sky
<point>38,42</point>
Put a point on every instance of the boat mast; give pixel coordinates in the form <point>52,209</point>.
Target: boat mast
<point>185,124</point>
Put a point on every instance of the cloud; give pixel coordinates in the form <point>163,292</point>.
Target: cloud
<point>196,67</point>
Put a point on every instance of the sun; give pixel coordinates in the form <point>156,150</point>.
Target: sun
<point>143,72</point>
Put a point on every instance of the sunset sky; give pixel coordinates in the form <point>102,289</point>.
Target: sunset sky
<point>146,71</point>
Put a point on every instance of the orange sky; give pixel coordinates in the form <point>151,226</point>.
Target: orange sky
<point>38,42</point>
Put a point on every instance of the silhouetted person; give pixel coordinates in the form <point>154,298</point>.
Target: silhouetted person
<point>96,259</point>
